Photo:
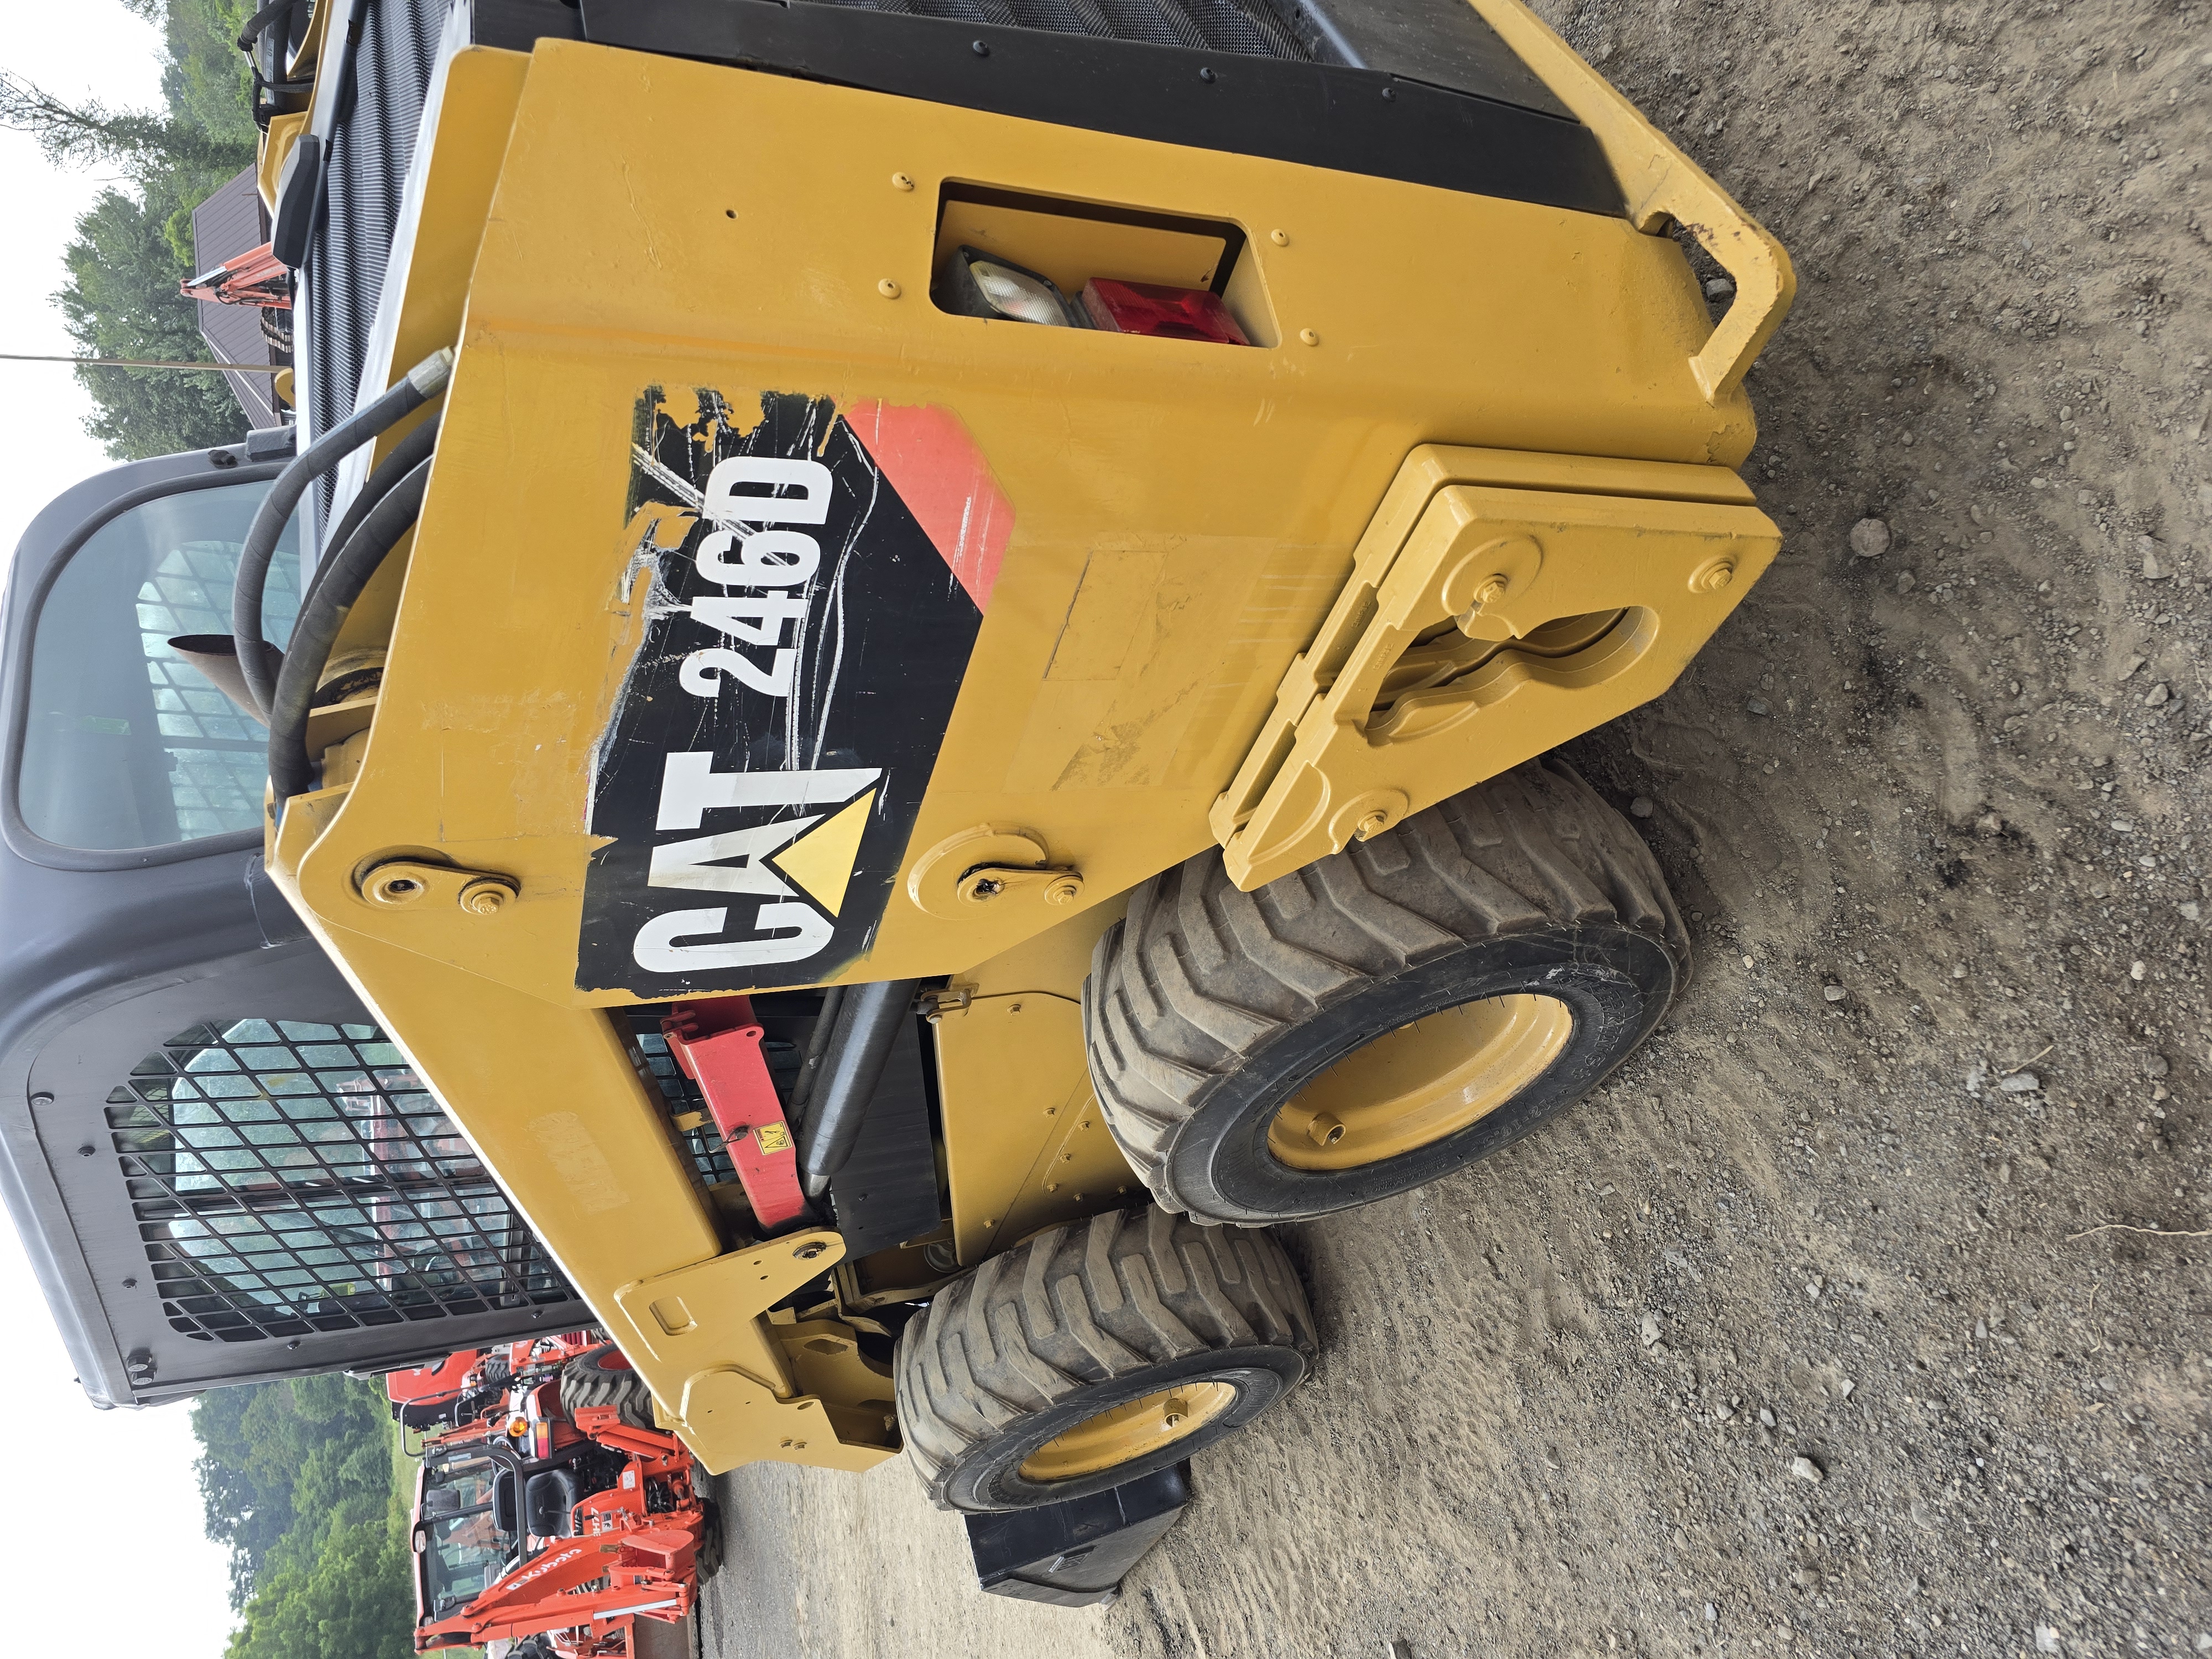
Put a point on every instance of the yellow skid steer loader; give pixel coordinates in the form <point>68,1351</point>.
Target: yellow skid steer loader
<point>908,652</point>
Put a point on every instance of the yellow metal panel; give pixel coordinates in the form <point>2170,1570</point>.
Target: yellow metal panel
<point>1024,1146</point>
<point>1244,475</point>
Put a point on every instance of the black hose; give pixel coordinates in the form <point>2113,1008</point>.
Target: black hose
<point>291,768</point>
<point>406,455</point>
<point>818,1045</point>
<point>868,1019</point>
<point>419,384</point>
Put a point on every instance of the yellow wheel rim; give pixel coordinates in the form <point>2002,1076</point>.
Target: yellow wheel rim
<point>1128,1432</point>
<point>1420,1083</point>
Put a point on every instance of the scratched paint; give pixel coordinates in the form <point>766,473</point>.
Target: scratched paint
<point>808,609</point>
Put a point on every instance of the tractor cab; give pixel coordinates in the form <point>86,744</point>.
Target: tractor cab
<point>460,1547</point>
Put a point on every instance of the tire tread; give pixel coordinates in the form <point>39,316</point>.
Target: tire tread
<point>1090,1302</point>
<point>1167,1010</point>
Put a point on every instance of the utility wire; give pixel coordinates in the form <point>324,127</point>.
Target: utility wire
<point>149,362</point>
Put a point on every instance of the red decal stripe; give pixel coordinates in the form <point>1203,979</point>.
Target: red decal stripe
<point>946,483</point>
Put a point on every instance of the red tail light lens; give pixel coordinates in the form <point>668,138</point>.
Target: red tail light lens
<point>1166,313</point>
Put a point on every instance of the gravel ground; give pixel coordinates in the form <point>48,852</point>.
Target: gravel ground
<point>1867,1310</point>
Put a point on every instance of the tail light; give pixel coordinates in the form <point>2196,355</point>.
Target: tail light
<point>1166,313</point>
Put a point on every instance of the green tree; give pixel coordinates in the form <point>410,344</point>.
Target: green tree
<point>121,300</point>
<point>353,1601</point>
<point>134,246</point>
<point>284,1468</point>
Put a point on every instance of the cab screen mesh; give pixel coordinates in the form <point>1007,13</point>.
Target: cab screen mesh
<point>288,1178</point>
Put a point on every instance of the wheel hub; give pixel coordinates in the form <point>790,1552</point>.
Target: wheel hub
<point>1420,1083</point>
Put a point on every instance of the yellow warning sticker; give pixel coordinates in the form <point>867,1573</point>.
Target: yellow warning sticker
<point>772,1138</point>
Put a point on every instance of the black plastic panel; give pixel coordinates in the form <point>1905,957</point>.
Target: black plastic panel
<point>1326,115</point>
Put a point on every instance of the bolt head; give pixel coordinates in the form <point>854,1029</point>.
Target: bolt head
<point>888,288</point>
<point>484,898</point>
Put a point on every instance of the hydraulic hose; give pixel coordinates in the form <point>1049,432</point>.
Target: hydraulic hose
<point>406,455</point>
<point>818,1045</point>
<point>322,613</point>
<point>421,384</point>
<point>868,1018</point>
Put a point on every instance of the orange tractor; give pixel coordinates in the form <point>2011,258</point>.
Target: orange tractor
<point>550,1512</point>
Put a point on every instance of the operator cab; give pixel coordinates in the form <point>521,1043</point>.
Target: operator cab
<point>222,1168</point>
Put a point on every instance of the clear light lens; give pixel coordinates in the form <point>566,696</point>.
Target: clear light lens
<point>1017,295</point>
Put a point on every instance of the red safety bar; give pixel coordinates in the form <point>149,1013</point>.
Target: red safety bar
<point>717,1043</point>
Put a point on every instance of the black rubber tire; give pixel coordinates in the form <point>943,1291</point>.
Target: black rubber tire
<point>602,1377</point>
<point>1206,1008</point>
<point>1081,1318</point>
<point>707,1558</point>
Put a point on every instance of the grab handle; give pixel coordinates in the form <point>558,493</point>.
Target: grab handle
<point>1660,183</point>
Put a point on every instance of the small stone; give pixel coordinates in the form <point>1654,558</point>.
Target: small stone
<point>2152,570</point>
<point>1833,993</point>
<point>2190,912</point>
<point>1766,1418</point>
<point>2157,1065</point>
<point>1719,287</point>
<point>1845,1388</point>
<point>2046,1639</point>
<point>1649,1331</point>
<point>2019,1082</point>
<point>2136,970</point>
<point>1905,582</point>
<point>1806,1470</point>
<point>1640,807</point>
<point>2159,693</point>
<point>1757,705</point>
<point>1813,1289</point>
<point>1989,824</point>
<point>2128,668</point>
<point>1869,539</point>
<point>1712,1613</point>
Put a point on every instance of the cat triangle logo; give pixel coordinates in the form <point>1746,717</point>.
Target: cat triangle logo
<point>821,860</point>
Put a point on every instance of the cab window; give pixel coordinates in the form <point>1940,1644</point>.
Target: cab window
<point>126,744</point>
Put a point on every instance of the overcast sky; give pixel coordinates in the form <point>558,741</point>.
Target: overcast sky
<point>110,1558</point>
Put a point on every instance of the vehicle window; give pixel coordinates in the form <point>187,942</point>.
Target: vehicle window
<point>126,744</point>
<point>289,1177</point>
<point>466,1554</point>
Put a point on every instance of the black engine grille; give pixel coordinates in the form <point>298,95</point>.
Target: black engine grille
<point>372,145</point>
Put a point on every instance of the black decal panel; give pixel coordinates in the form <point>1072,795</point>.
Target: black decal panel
<point>768,755</point>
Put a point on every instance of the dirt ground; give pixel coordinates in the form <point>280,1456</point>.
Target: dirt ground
<point>1868,1310</point>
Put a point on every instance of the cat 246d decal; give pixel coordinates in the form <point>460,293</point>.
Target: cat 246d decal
<point>813,581</point>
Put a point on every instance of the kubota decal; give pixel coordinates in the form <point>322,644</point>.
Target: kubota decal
<point>812,583</point>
